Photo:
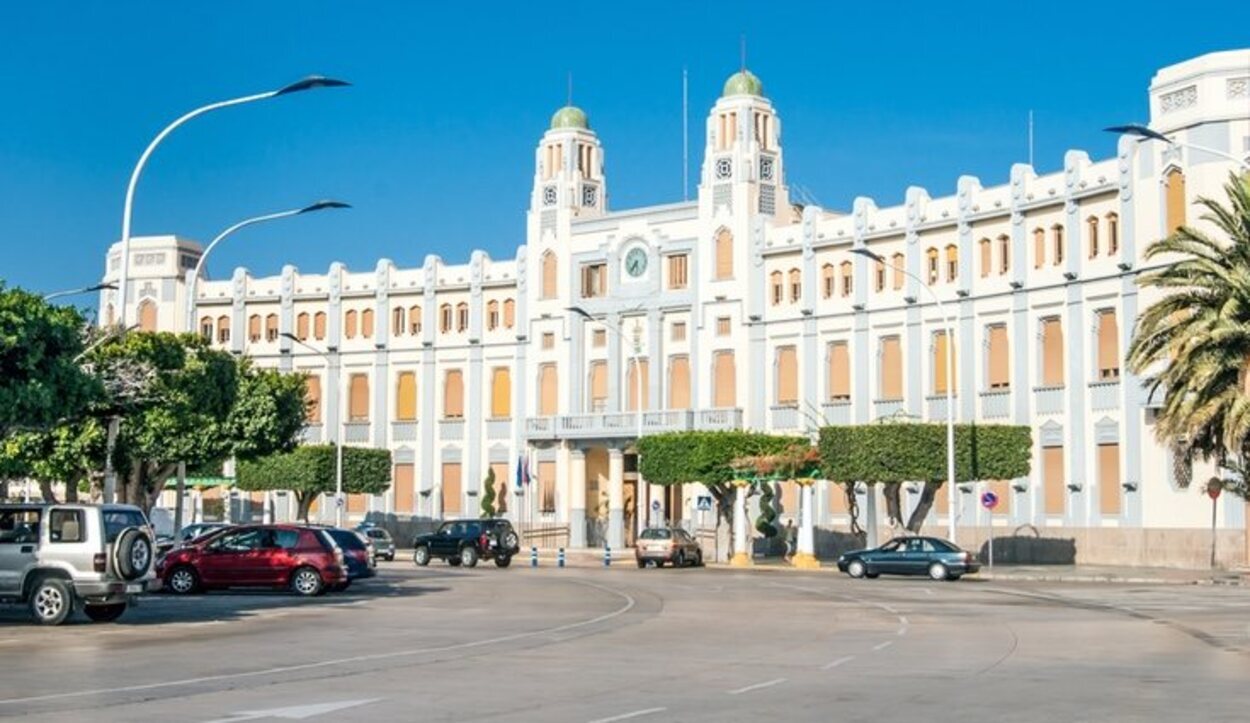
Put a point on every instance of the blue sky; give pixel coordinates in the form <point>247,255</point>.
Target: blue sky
<point>433,145</point>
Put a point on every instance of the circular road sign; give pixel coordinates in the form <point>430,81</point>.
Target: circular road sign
<point>989,500</point>
<point>655,505</point>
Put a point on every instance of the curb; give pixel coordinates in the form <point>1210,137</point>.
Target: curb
<point>1027,577</point>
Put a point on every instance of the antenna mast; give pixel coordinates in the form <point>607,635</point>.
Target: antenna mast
<point>685,135</point>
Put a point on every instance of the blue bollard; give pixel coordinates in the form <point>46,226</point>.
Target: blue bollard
<point>607,556</point>
<point>560,557</point>
<point>533,557</point>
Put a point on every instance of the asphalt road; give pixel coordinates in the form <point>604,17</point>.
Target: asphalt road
<point>625,644</point>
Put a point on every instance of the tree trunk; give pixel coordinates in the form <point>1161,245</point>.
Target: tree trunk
<point>304,501</point>
<point>852,506</point>
<point>918,515</point>
<point>893,505</point>
<point>156,485</point>
<point>71,488</point>
<point>45,491</point>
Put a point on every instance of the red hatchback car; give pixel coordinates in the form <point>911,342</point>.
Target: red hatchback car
<point>303,559</point>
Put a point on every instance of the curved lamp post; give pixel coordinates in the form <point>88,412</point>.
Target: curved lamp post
<point>199,265</point>
<point>308,83</point>
<point>76,292</point>
<point>338,428</point>
<point>1141,131</point>
<point>950,395</point>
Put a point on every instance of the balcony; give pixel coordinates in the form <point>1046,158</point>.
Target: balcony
<point>935,407</point>
<point>625,424</point>
<point>1104,395</point>
<point>405,431</point>
<point>499,428</point>
<point>1155,400</point>
<point>311,434</point>
<point>838,411</point>
<point>784,416</point>
<point>887,408</point>
<point>1049,400</point>
<point>356,433</point>
<point>996,404</point>
<point>452,428</point>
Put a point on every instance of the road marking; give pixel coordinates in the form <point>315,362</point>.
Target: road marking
<point>295,712</point>
<point>627,716</point>
<point>629,605</point>
<point>757,686</point>
<point>836,663</point>
<point>883,646</point>
<point>927,591</point>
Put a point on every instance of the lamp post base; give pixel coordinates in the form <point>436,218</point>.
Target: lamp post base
<point>805,561</point>
<point>740,559</point>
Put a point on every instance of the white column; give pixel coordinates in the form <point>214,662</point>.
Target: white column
<point>870,515</point>
<point>577,498</point>
<point>616,498</point>
<point>805,554</point>
<point>741,558</point>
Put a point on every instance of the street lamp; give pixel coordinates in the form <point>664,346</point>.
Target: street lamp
<point>76,292</point>
<point>308,83</point>
<point>338,428</point>
<point>1141,131</point>
<point>195,275</point>
<point>640,522</point>
<point>950,397</point>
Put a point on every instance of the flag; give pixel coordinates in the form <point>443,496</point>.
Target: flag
<point>520,471</point>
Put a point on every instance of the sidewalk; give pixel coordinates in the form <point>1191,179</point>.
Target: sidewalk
<point>1060,573</point>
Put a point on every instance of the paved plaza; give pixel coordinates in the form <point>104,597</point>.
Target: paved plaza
<point>582,644</point>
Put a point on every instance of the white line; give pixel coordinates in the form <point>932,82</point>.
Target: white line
<point>629,604</point>
<point>902,620</point>
<point>927,591</point>
<point>627,716</point>
<point>836,663</point>
<point>757,686</point>
<point>883,646</point>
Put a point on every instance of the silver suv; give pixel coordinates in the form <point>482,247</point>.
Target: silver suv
<point>55,557</point>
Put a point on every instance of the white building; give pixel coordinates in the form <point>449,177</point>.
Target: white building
<point>741,310</point>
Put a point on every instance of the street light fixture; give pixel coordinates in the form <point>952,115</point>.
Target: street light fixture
<point>76,292</point>
<point>195,275</point>
<point>338,428</point>
<point>308,83</point>
<point>1141,131</point>
<point>950,397</point>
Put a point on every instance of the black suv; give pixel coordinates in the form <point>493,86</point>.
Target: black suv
<point>467,541</point>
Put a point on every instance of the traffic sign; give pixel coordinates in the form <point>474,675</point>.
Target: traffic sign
<point>655,505</point>
<point>989,500</point>
<point>704,503</point>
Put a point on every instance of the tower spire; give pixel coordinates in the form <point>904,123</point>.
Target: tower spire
<point>742,51</point>
<point>570,95</point>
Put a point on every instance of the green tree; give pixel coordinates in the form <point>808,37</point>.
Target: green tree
<point>69,453</point>
<point>1198,336</point>
<point>309,471</point>
<point>488,494</point>
<point>41,381</point>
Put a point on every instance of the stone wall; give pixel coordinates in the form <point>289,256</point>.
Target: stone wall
<point>1136,547</point>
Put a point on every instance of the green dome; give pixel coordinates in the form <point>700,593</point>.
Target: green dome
<point>569,117</point>
<point>743,83</point>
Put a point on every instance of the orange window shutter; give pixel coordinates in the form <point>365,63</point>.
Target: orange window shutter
<point>451,489</point>
<point>679,383</point>
<point>1109,479</point>
<point>406,397</point>
<point>787,376</point>
<point>1052,353</point>
<point>635,370</point>
<point>366,323</point>
<point>839,371</point>
<point>402,479</point>
<point>725,390</point>
<point>1053,480</point>
<point>999,372</point>
<point>313,395</point>
<point>501,393</point>
<point>358,396</point>
<point>1108,346</point>
<point>548,399</point>
<point>598,385</point>
<point>891,369</point>
<point>453,395</point>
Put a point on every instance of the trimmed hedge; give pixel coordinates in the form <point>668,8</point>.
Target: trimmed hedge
<point>909,452</point>
<point>310,470</point>
<point>680,457</point>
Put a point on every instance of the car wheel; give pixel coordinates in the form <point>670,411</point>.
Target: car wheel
<point>306,581</point>
<point>453,561</point>
<point>390,557</point>
<point>938,571</point>
<point>469,557</point>
<point>105,613</point>
<point>503,560</point>
<point>641,563</point>
<point>680,560</point>
<point>182,580</point>
<point>510,540</point>
<point>421,556</point>
<point>856,569</point>
<point>698,559</point>
<point>659,564</point>
<point>51,601</point>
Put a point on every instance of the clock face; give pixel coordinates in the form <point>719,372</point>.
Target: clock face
<point>636,262</point>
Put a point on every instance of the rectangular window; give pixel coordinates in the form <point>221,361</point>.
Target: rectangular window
<point>677,271</point>
<point>453,395</point>
<point>549,340</point>
<point>1039,248</point>
<point>839,372</point>
<point>313,399</point>
<point>897,261</point>
<point>1052,353</point>
<point>952,263</point>
<point>403,478</point>
<point>451,489</point>
<point>548,390</point>
<point>724,380</point>
<point>501,393</point>
<point>1108,345</point>
<point>1113,234</point>
<point>679,383</point>
<point>547,487</point>
<point>1053,480</point>
<point>66,526</point>
<point>634,370</point>
<point>594,280</point>
<point>598,386</point>
<point>879,271</point>
<point>1109,478</point>
<point>599,338</point>
<point>891,369</point>
<point>787,386</point>
<point>998,375</point>
<point>358,398</point>
<point>722,326</point>
<point>827,280</point>
<point>1057,235</point>
<point>940,349</point>
<point>679,331</point>
<point>987,257</point>
<point>1004,254</point>
<point>406,397</point>
<point>847,276</point>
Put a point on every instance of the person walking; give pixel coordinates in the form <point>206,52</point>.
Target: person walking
<point>791,539</point>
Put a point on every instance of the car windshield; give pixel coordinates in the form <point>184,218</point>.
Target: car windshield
<point>378,534</point>
<point>117,520</point>
<point>657,534</point>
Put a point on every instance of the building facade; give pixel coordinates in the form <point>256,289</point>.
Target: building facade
<point>741,310</point>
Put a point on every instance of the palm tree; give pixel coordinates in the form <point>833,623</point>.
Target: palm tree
<point>1199,334</point>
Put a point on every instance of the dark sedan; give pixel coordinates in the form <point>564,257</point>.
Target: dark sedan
<point>356,555</point>
<point>939,559</point>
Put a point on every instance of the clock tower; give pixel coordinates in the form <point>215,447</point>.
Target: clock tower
<point>742,161</point>
<point>568,172</point>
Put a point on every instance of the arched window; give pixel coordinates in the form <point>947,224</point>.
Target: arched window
<point>397,321</point>
<point>147,315</point>
<point>349,324</point>
<point>301,326</point>
<point>444,318</point>
<point>206,327</point>
<point>796,285</point>
<point>366,324</point>
<point>952,263</point>
<point>987,256</point>
<point>1113,234</point>
<point>462,316</point>
<point>509,313</point>
<point>898,261</point>
<point>847,276</point>
<point>1004,254</point>
<point>453,395</point>
<point>1175,202</point>
<point>639,368</point>
<point>549,290</point>
<point>931,265</point>
<point>319,325</point>
<point>271,327</point>
<point>827,281</point>
<point>414,320</point>
<point>1091,230</point>
<point>879,274</point>
<point>1039,247</point>
<point>774,280</point>
<point>724,254</point>
<point>223,329</point>
<point>492,315</point>
<point>1057,236</point>
<point>406,396</point>
<point>253,328</point>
